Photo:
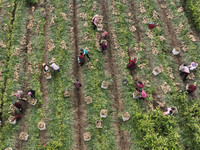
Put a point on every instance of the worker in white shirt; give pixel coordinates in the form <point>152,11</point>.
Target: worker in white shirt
<point>55,67</point>
<point>193,66</point>
<point>184,71</point>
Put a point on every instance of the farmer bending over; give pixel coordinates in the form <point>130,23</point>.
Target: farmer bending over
<point>85,53</point>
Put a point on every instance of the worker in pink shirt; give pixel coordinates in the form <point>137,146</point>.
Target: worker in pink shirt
<point>143,94</point>
<point>95,21</point>
<point>104,35</point>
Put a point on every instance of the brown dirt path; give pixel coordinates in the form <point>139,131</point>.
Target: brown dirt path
<point>111,63</point>
<point>43,136</point>
<point>25,85</point>
<point>3,89</point>
<point>172,38</point>
<point>80,112</point>
<point>1,13</point>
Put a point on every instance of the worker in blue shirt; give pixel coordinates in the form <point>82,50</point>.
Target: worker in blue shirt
<point>85,53</point>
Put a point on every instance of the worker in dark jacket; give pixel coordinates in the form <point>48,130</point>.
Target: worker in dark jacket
<point>81,59</point>
<point>132,64</point>
<point>190,88</point>
<point>31,93</point>
<point>19,106</point>
<point>103,47</point>
<point>77,84</point>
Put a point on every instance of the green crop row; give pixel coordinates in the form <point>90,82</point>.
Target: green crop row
<point>35,57</point>
<point>192,7</point>
<point>4,52</point>
<point>61,112</point>
<point>12,85</point>
<point>93,77</point>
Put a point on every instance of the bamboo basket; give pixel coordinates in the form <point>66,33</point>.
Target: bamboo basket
<point>33,101</point>
<point>23,136</point>
<point>10,120</point>
<point>125,116</point>
<point>99,124</point>
<point>9,148</point>
<point>104,85</point>
<point>87,136</point>
<point>41,125</point>
<point>103,113</point>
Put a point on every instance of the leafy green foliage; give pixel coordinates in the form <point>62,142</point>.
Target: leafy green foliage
<point>192,7</point>
<point>32,1</point>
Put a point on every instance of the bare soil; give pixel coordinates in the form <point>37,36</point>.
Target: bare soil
<point>25,85</point>
<point>114,90</point>
<point>44,134</point>
<point>80,112</point>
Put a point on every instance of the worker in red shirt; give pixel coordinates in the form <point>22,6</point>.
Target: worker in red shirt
<point>190,88</point>
<point>104,35</point>
<point>81,59</point>
<point>77,84</point>
<point>17,117</point>
<point>151,25</point>
<point>139,85</point>
<point>132,64</point>
<point>45,67</point>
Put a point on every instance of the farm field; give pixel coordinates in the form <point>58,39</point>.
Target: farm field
<point>55,31</point>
